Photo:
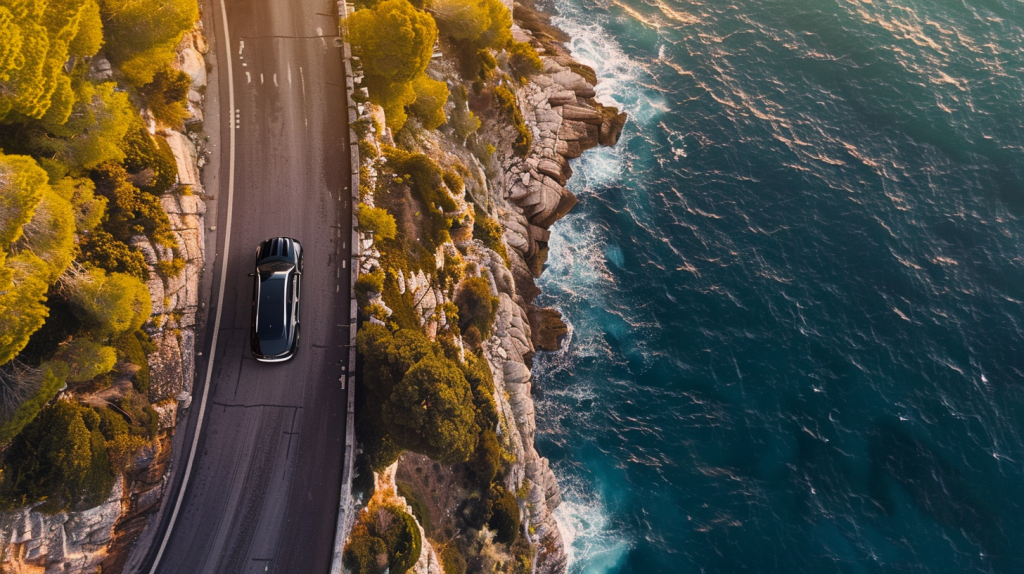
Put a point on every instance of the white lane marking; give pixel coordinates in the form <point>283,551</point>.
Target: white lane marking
<point>275,80</point>
<point>289,74</point>
<point>261,78</point>
<point>248,78</point>
<point>241,46</point>
<point>302,78</point>
<point>220,302</point>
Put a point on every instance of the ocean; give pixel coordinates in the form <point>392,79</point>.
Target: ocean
<point>795,291</point>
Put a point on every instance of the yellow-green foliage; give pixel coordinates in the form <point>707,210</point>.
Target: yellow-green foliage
<point>106,252</point>
<point>35,37</point>
<point>431,96</point>
<point>523,59</point>
<point>474,26</point>
<point>36,244</point>
<point>110,305</point>
<point>87,206</point>
<point>447,431</point>
<point>395,41</point>
<point>507,103</point>
<point>167,95</point>
<point>142,34</point>
<point>87,359</point>
<point>377,220</point>
<point>505,520</point>
<point>489,231</point>
<point>89,39</point>
<point>131,211</point>
<point>425,178</point>
<point>93,134</point>
<point>383,531</point>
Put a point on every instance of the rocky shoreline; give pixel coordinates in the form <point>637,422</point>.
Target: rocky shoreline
<point>526,195</point>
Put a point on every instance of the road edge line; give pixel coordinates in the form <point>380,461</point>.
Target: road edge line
<point>345,517</point>
<point>220,294</point>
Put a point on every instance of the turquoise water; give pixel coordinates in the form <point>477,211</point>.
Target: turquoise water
<point>795,291</point>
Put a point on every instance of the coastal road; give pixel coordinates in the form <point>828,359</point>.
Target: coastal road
<point>263,484</point>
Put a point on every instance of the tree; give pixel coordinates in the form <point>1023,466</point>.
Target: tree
<point>395,41</point>
<point>87,359</point>
<point>89,39</point>
<point>60,458</point>
<point>88,208</point>
<point>36,38</point>
<point>112,304</point>
<point>523,59</point>
<point>51,378</point>
<point>143,34</point>
<point>385,539</point>
<point>431,411</point>
<point>23,277</point>
<point>378,221</point>
<point>474,26</point>
<point>431,96</point>
<point>93,132</point>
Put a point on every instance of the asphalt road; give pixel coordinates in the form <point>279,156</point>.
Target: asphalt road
<point>264,485</point>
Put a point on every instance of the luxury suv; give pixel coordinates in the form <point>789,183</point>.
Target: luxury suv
<point>274,333</point>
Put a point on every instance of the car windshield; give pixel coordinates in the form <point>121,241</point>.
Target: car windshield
<point>272,312</point>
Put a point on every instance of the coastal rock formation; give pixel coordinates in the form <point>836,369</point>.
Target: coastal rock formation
<point>37,542</point>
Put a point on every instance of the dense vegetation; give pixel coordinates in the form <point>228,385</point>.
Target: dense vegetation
<point>80,177</point>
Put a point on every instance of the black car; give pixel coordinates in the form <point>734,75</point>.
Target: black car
<point>274,333</point>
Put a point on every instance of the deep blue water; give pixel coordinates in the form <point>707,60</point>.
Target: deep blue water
<point>795,291</point>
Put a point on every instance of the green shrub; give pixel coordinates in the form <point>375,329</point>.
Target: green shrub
<point>130,211</point>
<point>505,517</point>
<point>508,104</point>
<point>487,459</point>
<point>447,431</point>
<point>141,35</point>
<point>477,307</point>
<point>110,305</point>
<point>60,458</point>
<point>523,59</point>
<point>149,160</point>
<point>367,284</point>
<point>104,251</point>
<point>167,96</point>
<point>171,269</point>
<point>383,531</point>
<point>490,232</point>
<point>377,221</point>
<point>133,348</point>
<point>451,559</point>
<point>87,359</point>
<point>453,181</point>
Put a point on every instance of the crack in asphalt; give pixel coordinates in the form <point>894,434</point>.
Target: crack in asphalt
<point>259,405</point>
